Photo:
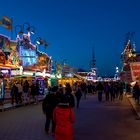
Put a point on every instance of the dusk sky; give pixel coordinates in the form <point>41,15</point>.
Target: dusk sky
<point>74,27</point>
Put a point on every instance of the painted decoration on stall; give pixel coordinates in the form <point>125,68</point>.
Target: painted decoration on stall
<point>43,59</point>
<point>13,59</point>
<point>25,42</point>
<point>135,70</point>
<point>27,56</point>
<point>7,46</point>
<point>2,58</point>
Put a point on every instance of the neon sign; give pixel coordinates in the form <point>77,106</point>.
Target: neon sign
<point>27,56</point>
<point>15,72</point>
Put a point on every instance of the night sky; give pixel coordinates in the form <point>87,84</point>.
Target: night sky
<point>74,27</point>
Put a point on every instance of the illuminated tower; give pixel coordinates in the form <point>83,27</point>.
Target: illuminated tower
<point>93,74</point>
<point>93,61</point>
<point>128,56</point>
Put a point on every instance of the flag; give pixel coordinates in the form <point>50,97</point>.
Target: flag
<point>6,22</point>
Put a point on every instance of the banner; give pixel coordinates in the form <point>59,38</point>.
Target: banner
<point>6,22</point>
<point>135,70</point>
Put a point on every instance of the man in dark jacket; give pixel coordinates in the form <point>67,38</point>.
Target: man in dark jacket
<point>48,105</point>
<point>14,94</point>
<point>68,93</point>
<point>100,89</point>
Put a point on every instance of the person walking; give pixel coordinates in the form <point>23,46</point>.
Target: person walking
<point>14,94</point>
<point>68,93</point>
<point>19,86</point>
<point>112,91</point>
<point>33,92</point>
<point>26,91</point>
<point>106,91</point>
<point>84,89</point>
<point>100,89</point>
<point>78,95</point>
<point>64,118</point>
<point>48,105</point>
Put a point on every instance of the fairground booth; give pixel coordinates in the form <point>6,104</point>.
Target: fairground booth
<point>20,60</point>
<point>65,74</point>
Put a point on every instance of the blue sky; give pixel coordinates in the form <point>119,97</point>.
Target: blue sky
<point>74,27</point>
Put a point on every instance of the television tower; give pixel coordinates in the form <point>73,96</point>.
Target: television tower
<point>93,74</point>
<point>93,61</point>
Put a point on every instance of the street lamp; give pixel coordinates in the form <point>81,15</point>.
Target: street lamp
<point>29,28</point>
<point>19,29</point>
<point>40,41</point>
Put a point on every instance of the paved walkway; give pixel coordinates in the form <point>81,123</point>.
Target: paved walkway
<point>7,103</point>
<point>94,120</point>
<point>134,104</point>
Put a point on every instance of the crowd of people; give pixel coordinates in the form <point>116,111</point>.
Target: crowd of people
<point>22,93</point>
<point>60,101</point>
<point>58,107</point>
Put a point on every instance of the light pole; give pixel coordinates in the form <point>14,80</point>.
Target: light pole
<point>19,30</point>
<point>29,28</point>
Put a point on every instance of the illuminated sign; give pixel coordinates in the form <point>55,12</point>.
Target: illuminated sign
<point>15,72</point>
<point>39,74</point>
<point>27,56</point>
<point>5,72</point>
<point>69,75</point>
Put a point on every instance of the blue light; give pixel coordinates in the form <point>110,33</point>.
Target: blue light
<point>27,56</point>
